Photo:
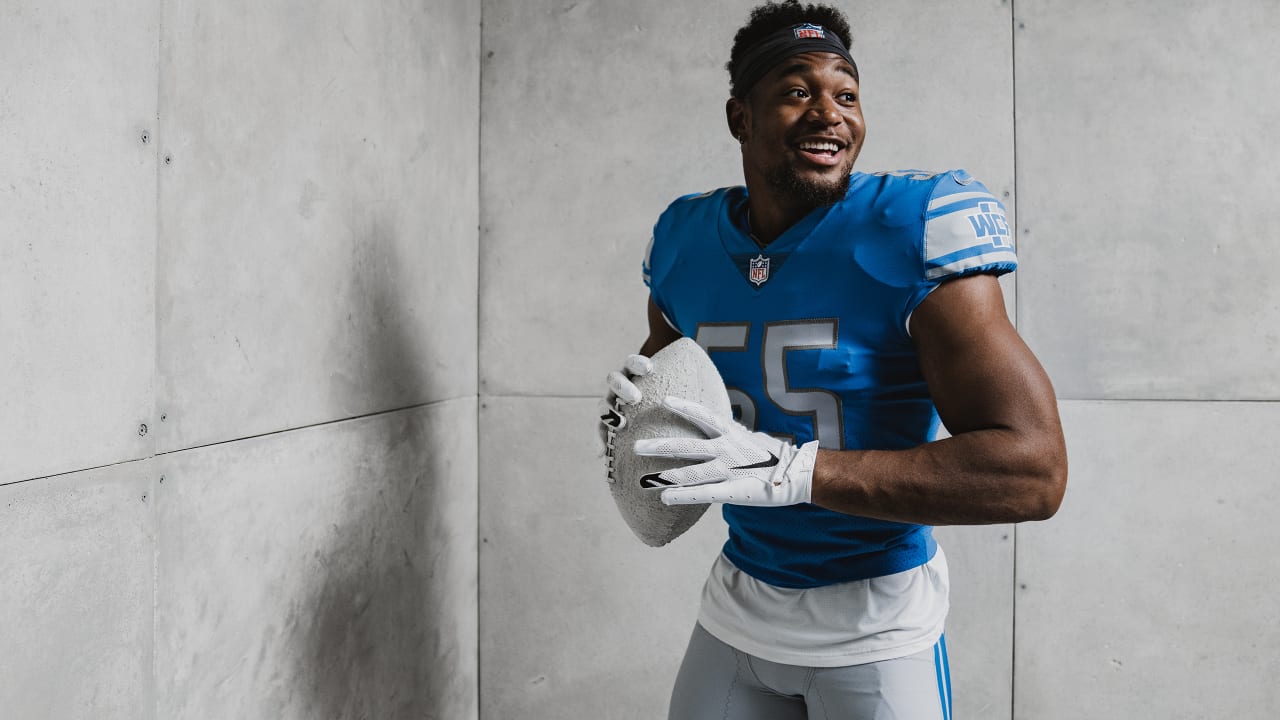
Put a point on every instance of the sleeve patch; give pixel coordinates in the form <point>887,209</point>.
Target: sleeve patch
<point>966,231</point>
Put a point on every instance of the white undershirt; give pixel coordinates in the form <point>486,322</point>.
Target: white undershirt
<point>849,623</point>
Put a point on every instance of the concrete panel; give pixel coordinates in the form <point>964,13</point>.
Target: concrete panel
<point>77,563</point>
<point>326,572</point>
<point>1147,195</point>
<point>937,87</point>
<point>77,233</point>
<point>980,625</point>
<point>319,211</point>
<point>578,618</point>
<point>622,110</point>
<point>1154,588</point>
<point>573,183</point>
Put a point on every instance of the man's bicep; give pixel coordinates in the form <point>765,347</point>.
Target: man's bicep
<point>661,332</point>
<point>979,371</point>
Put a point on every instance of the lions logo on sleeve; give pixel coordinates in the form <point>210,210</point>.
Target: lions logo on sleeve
<point>965,230</point>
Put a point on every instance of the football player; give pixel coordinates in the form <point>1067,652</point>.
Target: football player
<point>849,313</point>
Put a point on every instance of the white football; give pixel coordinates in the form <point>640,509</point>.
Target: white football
<point>681,369</point>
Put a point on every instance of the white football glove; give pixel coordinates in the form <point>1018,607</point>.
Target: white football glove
<point>740,468</point>
<point>621,391</point>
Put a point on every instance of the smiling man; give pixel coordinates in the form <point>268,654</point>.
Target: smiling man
<point>849,315</point>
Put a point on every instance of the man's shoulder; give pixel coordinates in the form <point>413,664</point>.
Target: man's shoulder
<point>711,199</point>
<point>911,187</point>
<point>962,225</point>
<point>911,176</point>
<point>696,208</point>
<point>948,219</point>
<point>904,198</point>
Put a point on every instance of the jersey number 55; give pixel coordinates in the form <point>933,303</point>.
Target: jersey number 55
<point>822,407</point>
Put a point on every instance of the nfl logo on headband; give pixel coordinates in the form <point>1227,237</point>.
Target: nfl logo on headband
<point>809,31</point>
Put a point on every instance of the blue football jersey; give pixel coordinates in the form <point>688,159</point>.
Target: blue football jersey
<point>811,337</point>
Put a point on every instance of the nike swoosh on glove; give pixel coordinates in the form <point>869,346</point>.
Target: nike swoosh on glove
<point>620,391</point>
<point>738,467</point>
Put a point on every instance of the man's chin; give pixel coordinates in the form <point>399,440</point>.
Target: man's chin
<point>809,190</point>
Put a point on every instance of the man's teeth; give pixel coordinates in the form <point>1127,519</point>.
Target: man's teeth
<point>820,146</point>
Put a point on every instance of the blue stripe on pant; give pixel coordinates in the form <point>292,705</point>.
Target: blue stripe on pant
<point>943,669</point>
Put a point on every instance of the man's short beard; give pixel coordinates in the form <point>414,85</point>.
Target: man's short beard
<point>786,182</point>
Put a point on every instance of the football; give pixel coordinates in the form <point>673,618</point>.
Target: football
<point>681,369</point>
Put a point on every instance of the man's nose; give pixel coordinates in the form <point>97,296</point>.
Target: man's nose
<point>824,111</point>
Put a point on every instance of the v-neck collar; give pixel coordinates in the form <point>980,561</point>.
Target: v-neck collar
<point>736,237</point>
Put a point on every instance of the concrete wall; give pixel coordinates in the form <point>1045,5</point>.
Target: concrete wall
<point>252,229</point>
<point>238,281</point>
<point>1146,223</point>
<point>1131,142</point>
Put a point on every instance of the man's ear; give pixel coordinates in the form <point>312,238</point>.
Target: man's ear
<point>736,114</point>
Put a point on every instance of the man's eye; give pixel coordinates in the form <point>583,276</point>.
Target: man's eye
<point>797,92</point>
<point>849,97</point>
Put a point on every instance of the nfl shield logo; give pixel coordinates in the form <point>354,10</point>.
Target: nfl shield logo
<point>809,31</point>
<point>759,270</point>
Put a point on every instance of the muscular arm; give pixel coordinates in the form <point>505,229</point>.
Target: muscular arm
<point>1006,460</point>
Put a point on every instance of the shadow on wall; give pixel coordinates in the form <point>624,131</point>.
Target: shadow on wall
<point>380,641</point>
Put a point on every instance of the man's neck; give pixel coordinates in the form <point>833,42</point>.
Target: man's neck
<point>767,218</point>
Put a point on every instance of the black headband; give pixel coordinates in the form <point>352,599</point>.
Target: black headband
<point>775,48</point>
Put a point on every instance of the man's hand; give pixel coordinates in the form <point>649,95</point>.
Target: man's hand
<point>740,467</point>
<point>620,390</point>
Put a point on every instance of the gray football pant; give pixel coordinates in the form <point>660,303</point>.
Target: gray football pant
<point>717,682</point>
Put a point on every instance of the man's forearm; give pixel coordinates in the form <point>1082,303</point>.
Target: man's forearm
<point>978,477</point>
